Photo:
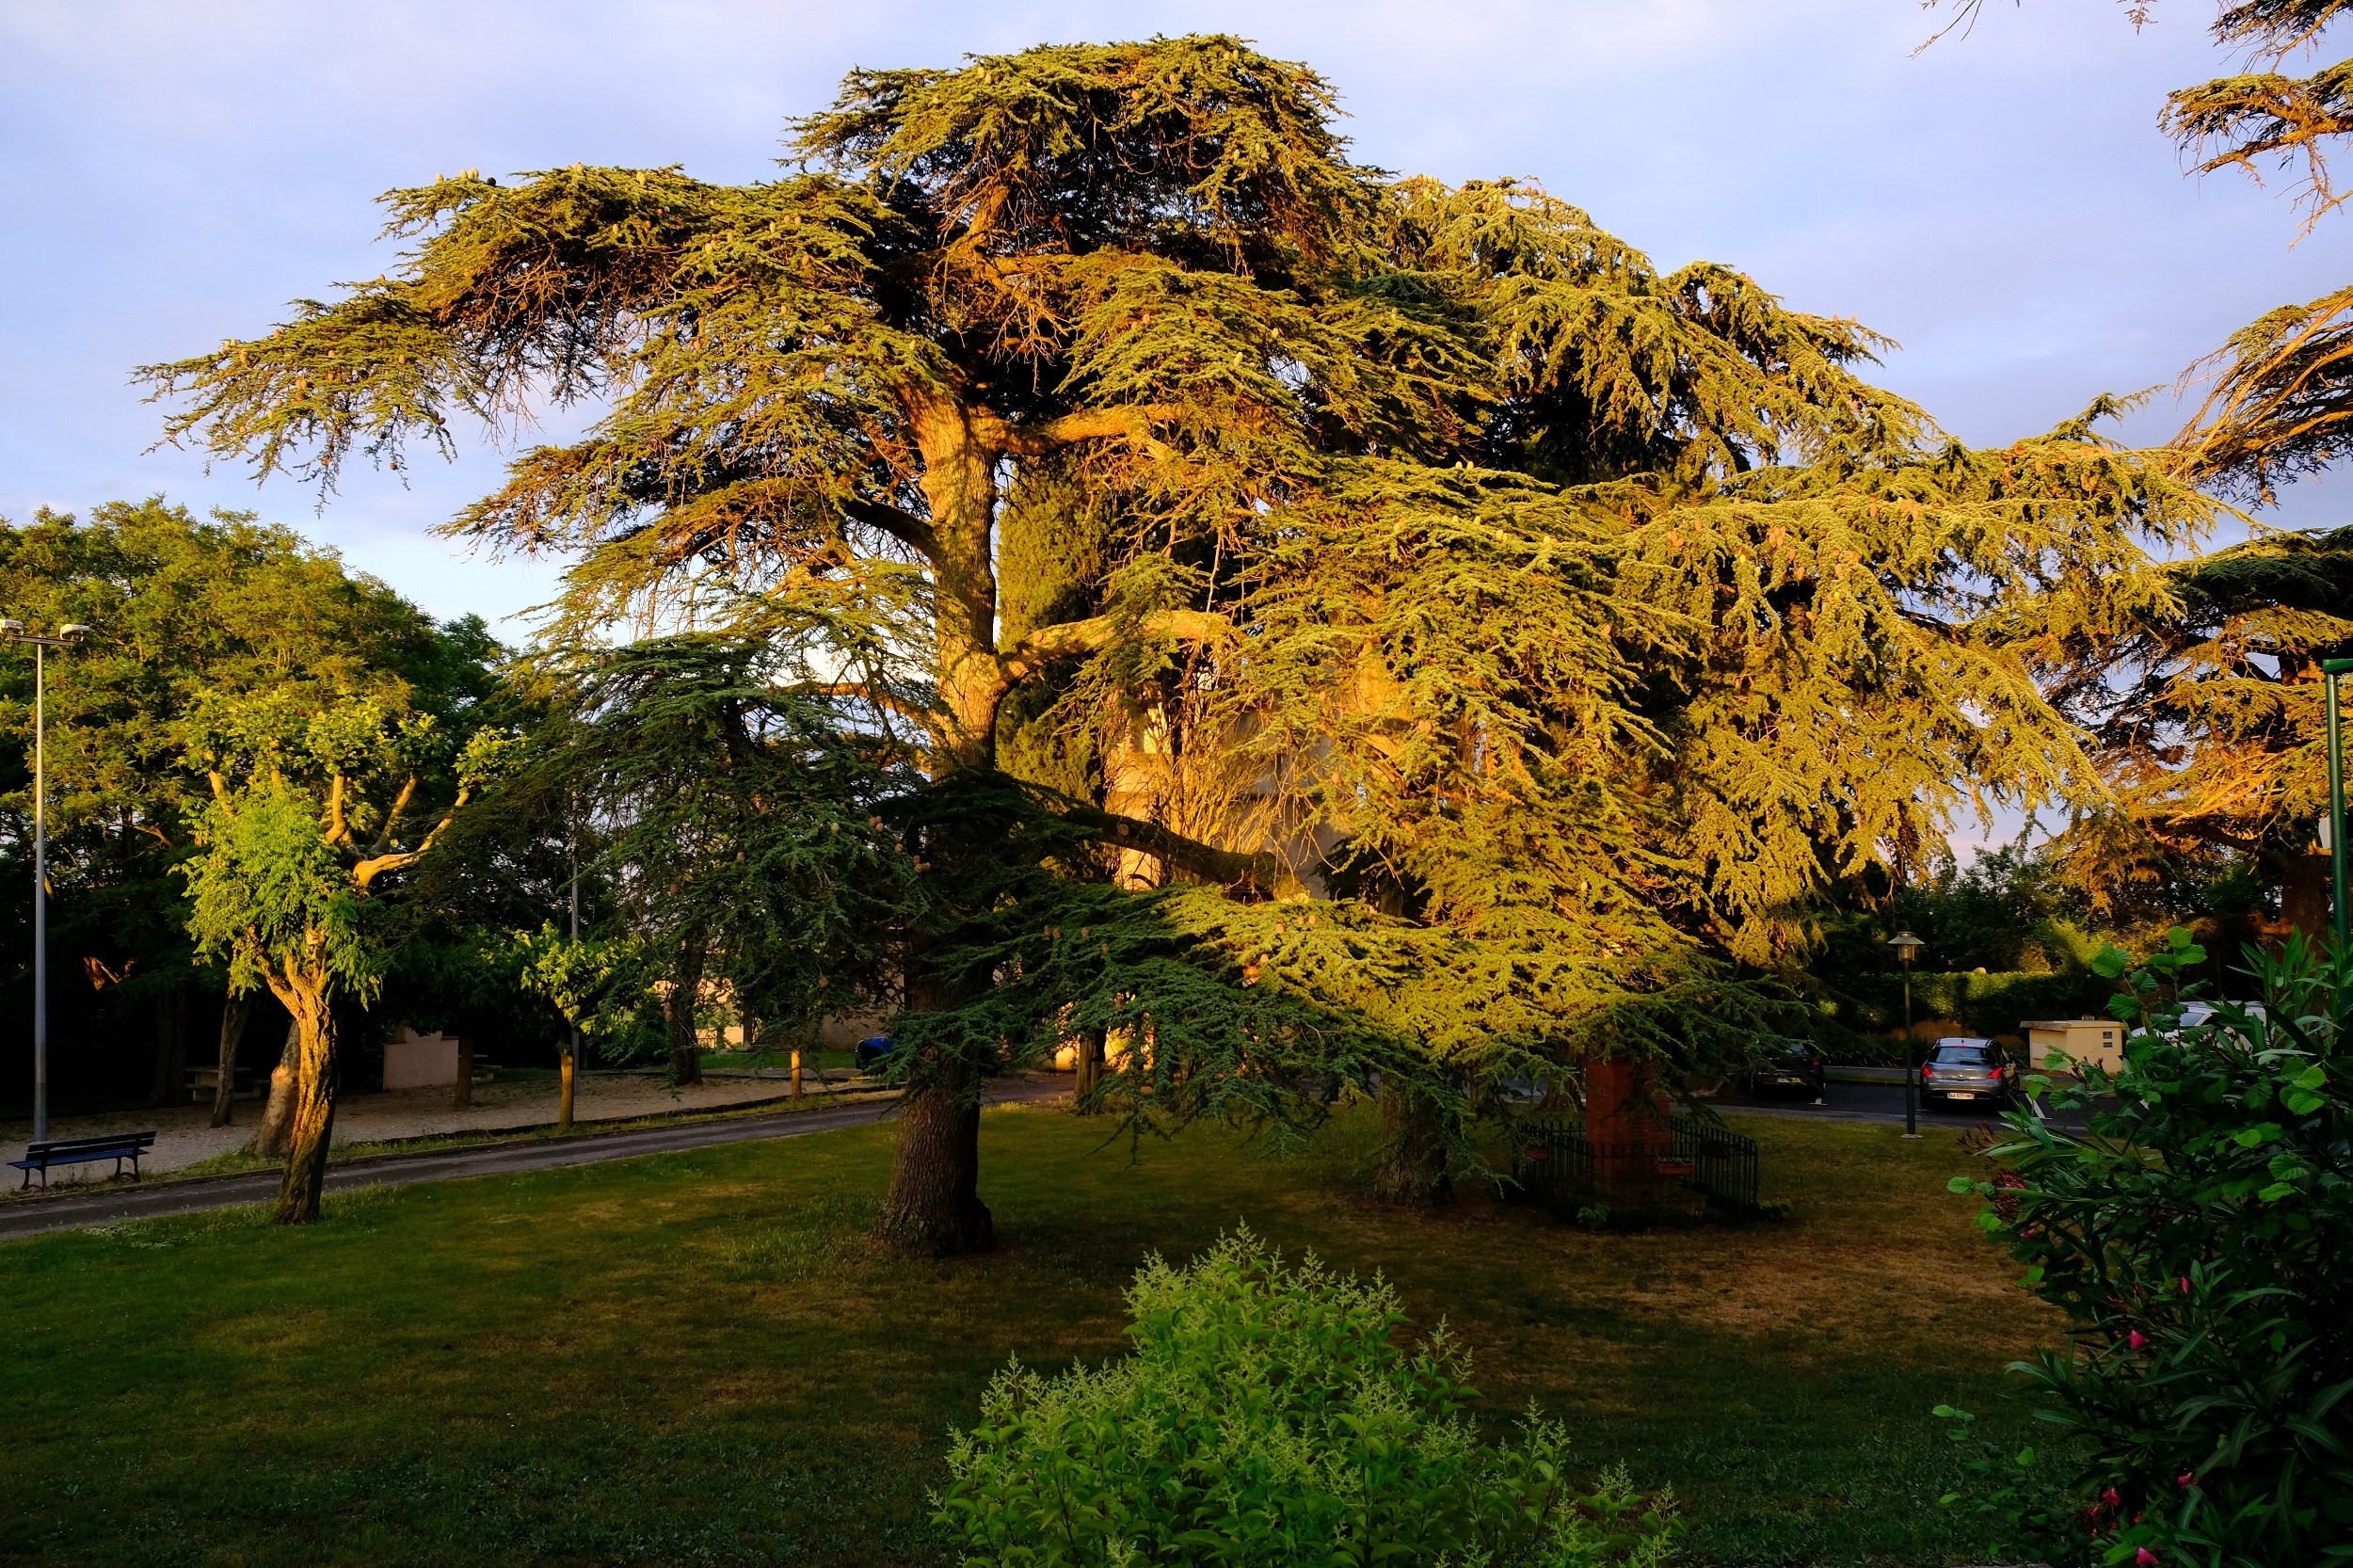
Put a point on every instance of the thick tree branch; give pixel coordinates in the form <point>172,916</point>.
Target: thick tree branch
<point>369,869</point>
<point>1076,639</point>
<point>1037,441</point>
<point>338,831</point>
<point>906,527</point>
<point>880,697</point>
<point>391,818</point>
<point>1262,869</point>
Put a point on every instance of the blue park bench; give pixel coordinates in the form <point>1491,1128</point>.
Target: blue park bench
<point>116,1147</point>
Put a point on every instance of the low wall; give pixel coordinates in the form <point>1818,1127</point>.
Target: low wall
<point>420,1061</point>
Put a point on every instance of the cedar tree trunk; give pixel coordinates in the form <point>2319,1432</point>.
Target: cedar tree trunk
<point>1090,1070</point>
<point>2304,896</point>
<point>933,1208</point>
<point>960,490</point>
<point>677,1010</point>
<point>233,1012</point>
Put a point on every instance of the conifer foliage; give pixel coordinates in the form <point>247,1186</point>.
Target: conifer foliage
<point>1578,620</point>
<point>2206,704</point>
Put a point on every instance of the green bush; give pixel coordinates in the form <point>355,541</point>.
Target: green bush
<point>1269,1417</point>
<point>2198,1237</point>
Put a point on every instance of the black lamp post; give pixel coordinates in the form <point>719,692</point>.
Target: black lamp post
<point>66,636</point>
<point>1904,942</point>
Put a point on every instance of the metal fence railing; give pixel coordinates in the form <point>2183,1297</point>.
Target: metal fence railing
<point>1554,1164</point>
<point>1723,1161</point>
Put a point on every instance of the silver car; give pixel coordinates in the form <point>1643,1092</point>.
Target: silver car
<point>1967,1068</point>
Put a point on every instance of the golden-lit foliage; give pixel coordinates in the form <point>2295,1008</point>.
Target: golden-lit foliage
<point>1092,395</point>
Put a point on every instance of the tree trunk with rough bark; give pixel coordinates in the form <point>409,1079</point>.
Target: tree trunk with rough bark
<point>311,1122</point>
<point>233,1012</point>
<point>1629,1125</point>
<point>463,1097</point>
<point>960,492</point>
<point>2304,897</point>
<point>1413,1149</point>
<point>1090,1071</point>
<point>571,1071</point>
<point>678,1011</point>
<point>269,1138</point>
<point>933,1208</point>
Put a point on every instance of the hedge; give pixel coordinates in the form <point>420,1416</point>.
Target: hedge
<point>1985,1003</point>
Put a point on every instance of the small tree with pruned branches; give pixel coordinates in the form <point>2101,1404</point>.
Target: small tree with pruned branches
<point>292,848</point>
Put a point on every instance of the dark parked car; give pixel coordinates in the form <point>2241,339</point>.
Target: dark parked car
<point>1794,1065</point>
<point>1966,1068</point>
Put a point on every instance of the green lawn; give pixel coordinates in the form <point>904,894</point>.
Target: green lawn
<point>695,1359</point>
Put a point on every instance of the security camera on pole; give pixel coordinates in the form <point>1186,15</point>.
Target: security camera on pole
<point>64,636</point>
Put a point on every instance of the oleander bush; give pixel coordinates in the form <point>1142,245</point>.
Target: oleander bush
<point>1273,1415</point>
<point>2198,1237</point>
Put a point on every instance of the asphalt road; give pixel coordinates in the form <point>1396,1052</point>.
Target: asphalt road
<point>1881,1103</point>
<point>107,1205</point>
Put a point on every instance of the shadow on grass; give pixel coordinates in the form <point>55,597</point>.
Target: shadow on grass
<point>697,1358</point>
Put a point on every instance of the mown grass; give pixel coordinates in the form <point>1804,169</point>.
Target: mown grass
<point>696,1358</point>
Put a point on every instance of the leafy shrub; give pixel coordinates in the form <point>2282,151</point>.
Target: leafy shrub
<point>1269,1417</point>
<point>2023,1511</point>
<point>2198,1239</point>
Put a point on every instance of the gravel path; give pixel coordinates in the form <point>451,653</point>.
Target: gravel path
<point>184,1134</point>
<point>111,1202</point>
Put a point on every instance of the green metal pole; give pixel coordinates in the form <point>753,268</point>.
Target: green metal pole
<point>2336,814</point>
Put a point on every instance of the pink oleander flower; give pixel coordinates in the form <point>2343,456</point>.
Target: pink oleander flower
<point>2184,1284</point>
<point>2110,1498</point>
<point>2137,1338</point>
<point>2188,1479</point>
<point>2143,1558</point>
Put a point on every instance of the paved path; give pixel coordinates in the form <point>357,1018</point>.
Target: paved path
<point>184,1135</point>
<point>139,1200</point>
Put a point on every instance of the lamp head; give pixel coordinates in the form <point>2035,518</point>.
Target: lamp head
<point>1905,943</point>
<point>73,632</point>
<point>10,628</point>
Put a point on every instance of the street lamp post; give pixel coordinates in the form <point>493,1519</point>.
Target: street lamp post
<point>66,636</point>
<point>571,1052</point>
<point>1904,942</point>
<point>2330,669</point>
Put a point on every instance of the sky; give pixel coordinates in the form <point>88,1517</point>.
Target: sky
<point>2001,204</point>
